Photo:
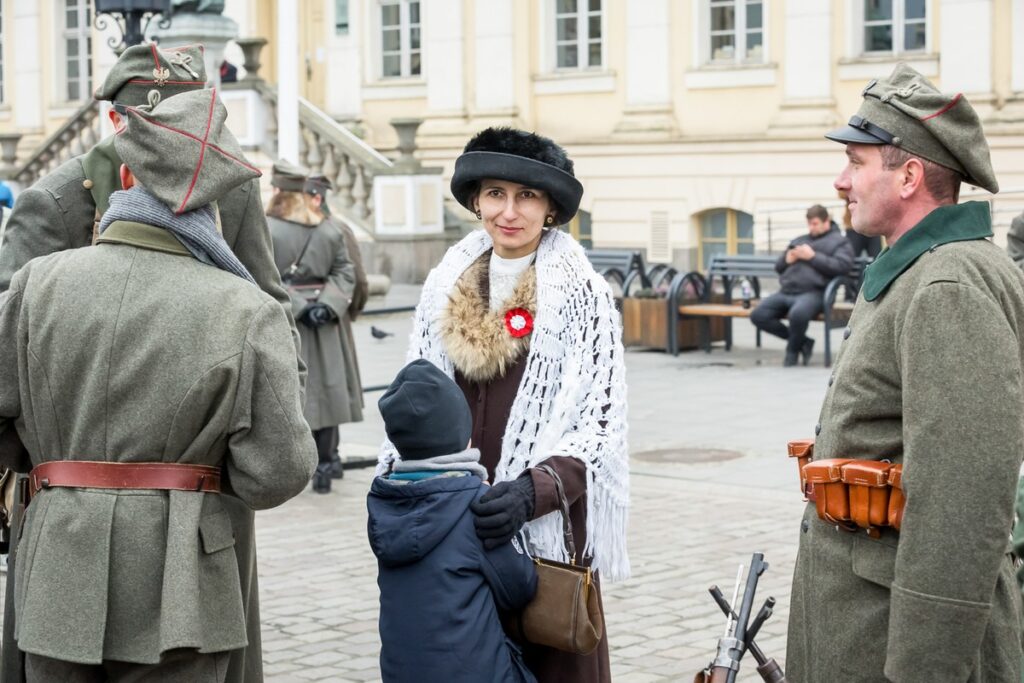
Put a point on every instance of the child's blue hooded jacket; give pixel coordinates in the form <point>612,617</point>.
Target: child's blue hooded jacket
<point>439,586</point>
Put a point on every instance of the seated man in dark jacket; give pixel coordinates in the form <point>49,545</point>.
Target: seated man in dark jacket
<point>440,589</point>
<point>805,269</point>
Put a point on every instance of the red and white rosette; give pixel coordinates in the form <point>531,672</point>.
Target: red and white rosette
<point>518,322</point>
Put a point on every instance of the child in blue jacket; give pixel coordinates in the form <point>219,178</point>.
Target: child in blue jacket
<point>440,590</point>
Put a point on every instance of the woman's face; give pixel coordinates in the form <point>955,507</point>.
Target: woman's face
<point>513,215</point>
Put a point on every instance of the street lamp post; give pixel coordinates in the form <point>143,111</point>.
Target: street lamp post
<point>132,17</point>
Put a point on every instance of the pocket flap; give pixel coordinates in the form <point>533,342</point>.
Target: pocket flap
<point>216,532</point>
<point>874,560</point>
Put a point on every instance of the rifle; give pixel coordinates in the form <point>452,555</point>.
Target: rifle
<point>740,632</point>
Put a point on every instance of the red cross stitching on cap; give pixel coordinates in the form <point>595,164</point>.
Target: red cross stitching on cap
<point>203,142</point>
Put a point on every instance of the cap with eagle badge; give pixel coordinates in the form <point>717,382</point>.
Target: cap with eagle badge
<point>905,110</point>
<point>143,68</point>
<point>181,151</point>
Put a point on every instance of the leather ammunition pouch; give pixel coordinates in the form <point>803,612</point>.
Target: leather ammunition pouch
<point>852,494</point>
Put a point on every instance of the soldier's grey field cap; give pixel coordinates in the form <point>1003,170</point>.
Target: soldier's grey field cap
<point>142,68</point>
<point>907,111</point>
<point>182,152</point>
<point>288,177</point>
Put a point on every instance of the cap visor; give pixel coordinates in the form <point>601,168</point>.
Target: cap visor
<point>855,135</point>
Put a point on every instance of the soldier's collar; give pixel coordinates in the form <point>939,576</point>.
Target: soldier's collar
<point>953,223</point>
<point>102,168</point>
<point>142,236</point>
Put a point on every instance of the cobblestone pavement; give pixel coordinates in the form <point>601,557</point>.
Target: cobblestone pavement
<point>691,523</point>
<point>710,485</point>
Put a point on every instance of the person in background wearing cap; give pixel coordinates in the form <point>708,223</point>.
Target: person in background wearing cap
<point>317,187</point>
<point>517,316</point>
<point>62,211</point>
<point>131,573</point>
<point>314,264</point>
<point>440,586</point>
<point>928,378</point>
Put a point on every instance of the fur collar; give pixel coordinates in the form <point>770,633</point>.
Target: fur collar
<point>475,337</point>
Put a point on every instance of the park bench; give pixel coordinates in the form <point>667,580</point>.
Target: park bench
<point>729,272</point>
<point>617,266</point>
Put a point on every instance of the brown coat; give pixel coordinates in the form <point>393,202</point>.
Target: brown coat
<point>491,402</point>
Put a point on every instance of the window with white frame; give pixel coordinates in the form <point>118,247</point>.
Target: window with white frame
<point>400,36</point>
<point>75,82</point>
<point>736,32</point>
<point>895,26</point>
<point>578,34</point>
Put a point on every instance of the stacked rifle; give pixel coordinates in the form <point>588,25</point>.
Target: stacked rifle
<point>740,632</point>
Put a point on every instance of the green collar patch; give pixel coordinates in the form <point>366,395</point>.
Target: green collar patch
<point>142,236</point>
<point>953,223</point>
<point>102,167</point>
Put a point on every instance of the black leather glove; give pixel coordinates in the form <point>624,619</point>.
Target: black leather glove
<point>501,512</point>
<point>316,315</point>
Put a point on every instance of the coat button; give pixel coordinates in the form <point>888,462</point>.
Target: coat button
<point>847,332</point>
<point>817,429</point>
<point>804,526</point>
<point>87,184</point>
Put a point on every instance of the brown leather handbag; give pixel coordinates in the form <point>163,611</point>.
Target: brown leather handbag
<point>564,613</point>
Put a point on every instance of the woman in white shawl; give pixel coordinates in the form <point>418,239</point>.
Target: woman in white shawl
<point>518,317</point>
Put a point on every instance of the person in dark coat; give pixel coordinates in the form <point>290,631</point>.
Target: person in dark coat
<point>805,269</point>
<point>440,588</point>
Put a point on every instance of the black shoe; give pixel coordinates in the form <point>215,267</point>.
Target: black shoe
<point>337,469</point>
<point>807,349</point>
<point>791,359</point>
<point>322,478</point>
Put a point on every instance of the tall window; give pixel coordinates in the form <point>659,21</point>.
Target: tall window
<point>400,38</point>
<point>736,31</point>
<point>725,231</point>
<point>895,26</point>
<point>341,17</point>
<point>76,40</point>
<point>577,34</point>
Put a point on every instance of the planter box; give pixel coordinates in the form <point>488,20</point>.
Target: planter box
<point>645,323</point>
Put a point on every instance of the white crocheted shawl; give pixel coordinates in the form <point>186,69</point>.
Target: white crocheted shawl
<point>572,399</point>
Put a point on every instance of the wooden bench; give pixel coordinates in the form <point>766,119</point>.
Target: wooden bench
<point>730,271</point>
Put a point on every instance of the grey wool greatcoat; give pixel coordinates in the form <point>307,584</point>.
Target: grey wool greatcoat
<point>325,262</point>
<point>58,213</point>
<point>134,351</point>
<point>930,376</point>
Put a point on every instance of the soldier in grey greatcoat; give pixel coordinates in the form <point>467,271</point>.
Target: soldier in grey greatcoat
<point>127,570</point>
<point>313,260</point>
<point>929,378</point>
<point>61,211</point>
<point>317,186</point>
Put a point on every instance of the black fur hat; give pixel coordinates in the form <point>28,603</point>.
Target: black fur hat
<point>519,157</point>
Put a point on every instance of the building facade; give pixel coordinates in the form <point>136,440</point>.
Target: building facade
<point>696,125</point>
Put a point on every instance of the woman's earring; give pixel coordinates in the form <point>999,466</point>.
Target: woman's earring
<point>550,220</point>
<point>478,215</point>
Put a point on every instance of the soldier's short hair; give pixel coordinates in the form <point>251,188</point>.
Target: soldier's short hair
<point>942,183</point>
<point>817,211</point>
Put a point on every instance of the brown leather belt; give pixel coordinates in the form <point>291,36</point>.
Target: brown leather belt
<point>88,474</point>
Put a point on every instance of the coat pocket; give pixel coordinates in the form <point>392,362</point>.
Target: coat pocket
<point>874,559</point>
<point>216,532</point>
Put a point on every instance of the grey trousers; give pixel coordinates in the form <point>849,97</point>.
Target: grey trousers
<point>176,665</point>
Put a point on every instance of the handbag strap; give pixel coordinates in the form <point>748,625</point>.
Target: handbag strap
<point>294,267</point>
<point>563,502</point>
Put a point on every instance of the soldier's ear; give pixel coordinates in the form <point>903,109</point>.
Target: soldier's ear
<point>127,179</point>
